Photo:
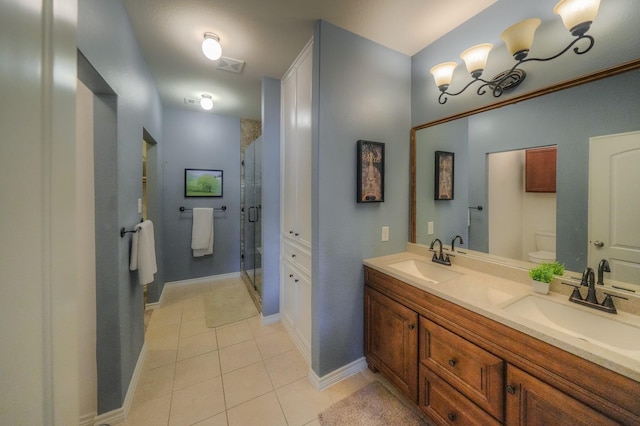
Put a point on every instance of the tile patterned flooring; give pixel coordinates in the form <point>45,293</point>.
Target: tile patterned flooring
<point>243,373</point>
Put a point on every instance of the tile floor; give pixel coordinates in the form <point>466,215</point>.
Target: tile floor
<point>239,374</point>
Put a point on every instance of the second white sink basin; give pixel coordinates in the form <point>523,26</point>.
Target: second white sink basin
<point>426,271</point>
<point>604,332</point>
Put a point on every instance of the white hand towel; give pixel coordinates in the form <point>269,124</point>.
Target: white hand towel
<point>143,252</point>
<point>202,232</point>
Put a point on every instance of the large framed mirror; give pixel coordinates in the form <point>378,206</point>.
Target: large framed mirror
<point>566,116</point>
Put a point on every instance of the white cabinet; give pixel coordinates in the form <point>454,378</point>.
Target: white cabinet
<point>296,149</point>
<point>295,216</point>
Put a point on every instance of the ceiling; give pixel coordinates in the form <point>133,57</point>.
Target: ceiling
<point>268,35</point>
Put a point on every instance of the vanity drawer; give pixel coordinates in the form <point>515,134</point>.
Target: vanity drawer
<point>445,405</point>
<point>476,373</point>
<point>297,256</point>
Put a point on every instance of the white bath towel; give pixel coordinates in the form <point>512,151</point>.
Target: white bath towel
<point>202,232</point>
<point>143,252</point>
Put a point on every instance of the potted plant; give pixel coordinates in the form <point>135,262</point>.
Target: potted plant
<point>543,274</point>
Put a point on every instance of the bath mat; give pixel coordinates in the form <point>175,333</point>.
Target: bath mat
<point>225,305</point>
<point>372,405</point>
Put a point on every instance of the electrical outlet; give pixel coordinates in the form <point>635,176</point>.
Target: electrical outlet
<point>430,228</point>
<point>385,233</point>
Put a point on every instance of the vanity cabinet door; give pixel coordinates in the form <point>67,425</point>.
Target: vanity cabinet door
<point>391,341</point>
<point>531,402</point>
<point>475,372</point>
<point>445,405</point>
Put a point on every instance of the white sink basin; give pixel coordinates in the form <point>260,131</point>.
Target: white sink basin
<point>601,331</point>
<point>426,271</point>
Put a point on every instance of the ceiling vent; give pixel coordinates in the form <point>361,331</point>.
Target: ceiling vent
<point>192,101</point>
<point>230,64</point>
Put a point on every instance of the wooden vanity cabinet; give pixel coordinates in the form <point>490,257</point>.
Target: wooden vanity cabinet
<point>499,375</point>
<point>391,341</point>
<point>531,402</point>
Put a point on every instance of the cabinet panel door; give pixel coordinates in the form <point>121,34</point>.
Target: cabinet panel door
<point>531,402</point>
<point>303,312</point>
<point>289,294</point>
<point>391,340</point>
<point>473,371</point>
<point>446,406</point>
<point>303,148</point>
<point>288,147</point>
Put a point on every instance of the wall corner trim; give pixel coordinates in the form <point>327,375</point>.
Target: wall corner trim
<point>322,383</point>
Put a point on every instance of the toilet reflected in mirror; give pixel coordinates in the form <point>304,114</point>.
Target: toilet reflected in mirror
<point>545,248</point>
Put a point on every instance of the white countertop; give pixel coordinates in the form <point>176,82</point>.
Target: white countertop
<point>487,295</point>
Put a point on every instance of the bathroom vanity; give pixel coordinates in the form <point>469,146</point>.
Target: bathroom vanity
<point>457,347</point>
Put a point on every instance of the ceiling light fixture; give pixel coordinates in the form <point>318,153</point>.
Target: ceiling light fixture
<point>206,102</point>
<point>211,46</point>
<point>577,16</point>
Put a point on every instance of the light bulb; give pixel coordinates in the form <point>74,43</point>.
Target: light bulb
<point>475,58</point>
<point>206,102</point>
<point>211,46</point>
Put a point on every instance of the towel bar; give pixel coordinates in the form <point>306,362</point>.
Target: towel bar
<point>123,231</point>
<point>221,209</point>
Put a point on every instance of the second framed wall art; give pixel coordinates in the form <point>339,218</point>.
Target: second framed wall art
<point>370,172</point>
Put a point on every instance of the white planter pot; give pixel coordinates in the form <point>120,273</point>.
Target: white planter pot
<point>540,287</point>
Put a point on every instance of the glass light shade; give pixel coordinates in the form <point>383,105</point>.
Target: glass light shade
<point>519,37</point>
<point>443,74</point>
<point>577,14</point>
<point>206,102</point>
<point>475,58</point>
<point>211,46</point>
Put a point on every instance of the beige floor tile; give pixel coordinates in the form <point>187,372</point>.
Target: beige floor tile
<point>193,309</point>
<point>193,327</point>
<point>195,370</point>
<point>258,329</point>
<point>197,345</point>
<point>274,344</point>
<point>264,411</point>
<point>239,355</point>
<point>346,387</point>
<point>159,356</point>
<point>154,383</point>
<point>286,368</point>
<point>197,403</point>
<point>245,384</point>
<point>232,334</point>
<point>217,420</point>
<point>301,402</point>
<point>197,289</point>
<point>166,315</point>
<point>164,336</point>
<point>313,422</point>
<point>149,413</point>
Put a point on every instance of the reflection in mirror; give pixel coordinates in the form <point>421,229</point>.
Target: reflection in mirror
<point>568,118</point>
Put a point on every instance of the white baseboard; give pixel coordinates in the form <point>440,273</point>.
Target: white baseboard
<point>87,419</point>
<point>270,319</point>
<point>322,383</point>
<point>119,415</point>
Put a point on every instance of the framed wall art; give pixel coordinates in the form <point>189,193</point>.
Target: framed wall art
<point>202,183</point>
<point>370,172</point>
<point>444,175</point>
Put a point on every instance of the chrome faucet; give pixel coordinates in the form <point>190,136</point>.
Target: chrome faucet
<point>453,242</point>
<point>603,267</point>
<point>439,257</point>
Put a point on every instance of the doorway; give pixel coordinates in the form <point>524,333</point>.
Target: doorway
<point>251,263</point>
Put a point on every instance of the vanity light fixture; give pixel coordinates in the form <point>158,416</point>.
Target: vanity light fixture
<point>577,16</point>
<point>206,102</point>
<point>211,46</point>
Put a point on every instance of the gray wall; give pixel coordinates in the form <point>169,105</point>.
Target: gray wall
<point>270,196</point>
<point>116,57</point>
<point>200,140</point>
<point>616,31</point>
<point>361,91</point>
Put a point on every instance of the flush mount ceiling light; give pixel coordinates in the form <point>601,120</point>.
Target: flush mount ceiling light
<point>206,102</point>
<point>211,46</point>
<point>577,16</point>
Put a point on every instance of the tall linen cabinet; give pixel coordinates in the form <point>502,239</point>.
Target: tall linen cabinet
<point>295,216</point>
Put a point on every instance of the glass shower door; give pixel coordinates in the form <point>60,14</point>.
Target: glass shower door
<point>252,256</point>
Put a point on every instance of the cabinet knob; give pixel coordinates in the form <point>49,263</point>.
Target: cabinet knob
<point>411,326</point>
<point>293,255</point>
<point>296,280</point>
<point>297,234</point>
<point>290,232</point>
<point>511,389</point>
<point>452,362</point>
<point>290,275</point>
<point>452,417</point>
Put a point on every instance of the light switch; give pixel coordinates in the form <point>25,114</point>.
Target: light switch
<point>385,233</point>
<point>430,228</point>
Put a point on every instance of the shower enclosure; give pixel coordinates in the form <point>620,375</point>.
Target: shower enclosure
<point>251,259</point>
